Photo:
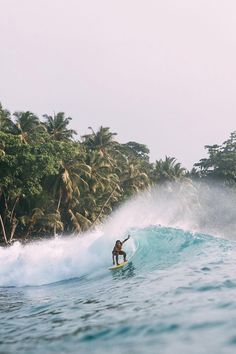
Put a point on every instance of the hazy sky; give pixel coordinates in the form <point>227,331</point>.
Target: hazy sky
<point>159,72</point>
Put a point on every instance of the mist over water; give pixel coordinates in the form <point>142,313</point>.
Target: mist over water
<point>192,206</point>
<point>176,295</point>
<point>198,208</point>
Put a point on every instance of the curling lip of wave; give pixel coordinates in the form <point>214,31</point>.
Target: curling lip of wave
<point>178,206</point>
<point>62,259</point>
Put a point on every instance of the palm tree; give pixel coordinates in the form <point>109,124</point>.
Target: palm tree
<point>101,141</point>
<point>2,149</point>
<point>79,221</point>
<point>133,179</point>
<point>134,169</point>
<point>104,185</point>
<point>49,222</point>
<point>67,186</point>
<point>57,126</point>
<point>6,123</point>
<point>71,179</point>
<point>221,162</point>
<point>26,124</point>
<point>168,170</point>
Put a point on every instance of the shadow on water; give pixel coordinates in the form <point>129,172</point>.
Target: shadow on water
<point>124,273</point>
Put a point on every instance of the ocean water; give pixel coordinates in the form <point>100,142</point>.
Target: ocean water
<point>176,295</point>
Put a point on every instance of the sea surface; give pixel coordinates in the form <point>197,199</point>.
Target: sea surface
<point>176,295</point>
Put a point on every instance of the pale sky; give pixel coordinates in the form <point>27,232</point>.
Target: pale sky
<point>159,72</point>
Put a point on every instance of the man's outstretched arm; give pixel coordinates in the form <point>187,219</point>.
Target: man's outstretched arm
<point>126,239</point>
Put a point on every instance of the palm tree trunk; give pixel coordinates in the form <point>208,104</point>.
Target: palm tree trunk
<point>103,206</point>
<point>59,200</point>
<point>30,228</point>
<point>14,225</point>
<point>3,230</point>
<point>13,209</point>
<point>58,207</point>
<point>6,207</point>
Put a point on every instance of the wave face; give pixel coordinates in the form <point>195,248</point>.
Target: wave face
<point>177,294</point>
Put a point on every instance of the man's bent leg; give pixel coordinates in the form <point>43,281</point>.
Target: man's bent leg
<point>123,254</point>
<point>117,261</point>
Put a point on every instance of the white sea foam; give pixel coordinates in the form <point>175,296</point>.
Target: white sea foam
<point>55,260</point>
<point>191,207</point>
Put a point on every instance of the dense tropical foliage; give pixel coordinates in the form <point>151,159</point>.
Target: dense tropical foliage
<point>51,183</point>
<point>221,162</point>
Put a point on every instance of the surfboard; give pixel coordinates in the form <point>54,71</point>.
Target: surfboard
<point>119,266</point>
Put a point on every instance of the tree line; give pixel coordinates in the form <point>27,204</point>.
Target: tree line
<point>51,182</point>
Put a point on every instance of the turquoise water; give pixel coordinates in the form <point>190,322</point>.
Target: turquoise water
<point>176,295</point>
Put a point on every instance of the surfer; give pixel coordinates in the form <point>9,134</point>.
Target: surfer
<point>117,250</point>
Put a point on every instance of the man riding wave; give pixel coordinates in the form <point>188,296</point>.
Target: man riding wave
<point>117,250</point>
